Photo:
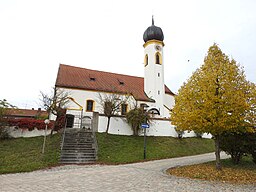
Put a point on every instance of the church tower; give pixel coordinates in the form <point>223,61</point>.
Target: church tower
<point>154,66</point>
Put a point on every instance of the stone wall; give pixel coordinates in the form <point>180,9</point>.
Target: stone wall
<point>17,132</point>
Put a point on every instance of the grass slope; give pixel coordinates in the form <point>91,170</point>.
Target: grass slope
<point>128,149</point>
<point>25,154</point>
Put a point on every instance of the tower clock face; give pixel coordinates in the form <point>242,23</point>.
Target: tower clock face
<point>158,47</point>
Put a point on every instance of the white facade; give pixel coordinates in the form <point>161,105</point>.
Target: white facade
<point>158,100</point>
<point>118,125</point>
<point>154,74</point>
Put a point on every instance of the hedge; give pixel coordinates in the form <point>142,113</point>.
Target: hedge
<point>29,124</point>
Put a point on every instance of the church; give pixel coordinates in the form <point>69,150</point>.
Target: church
<point>150,92</point>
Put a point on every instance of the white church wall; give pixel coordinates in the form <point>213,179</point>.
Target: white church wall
<point>81,96</point>
<point>169,101</point>
<point>161,128</point>
<point>189,134</point>
<point>118,126</point>
<point>166,113</point>
<point>207,136</point>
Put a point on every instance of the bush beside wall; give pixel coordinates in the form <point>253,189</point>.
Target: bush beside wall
<point>29,124</point>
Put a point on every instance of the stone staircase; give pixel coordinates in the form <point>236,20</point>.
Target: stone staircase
<point>79,146</point>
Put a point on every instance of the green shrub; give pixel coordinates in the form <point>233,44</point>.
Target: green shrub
<point>250,139</point>
<point>4,134</point>
<point>239,144</point>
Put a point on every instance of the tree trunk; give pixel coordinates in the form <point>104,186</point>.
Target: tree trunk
<point>54,126</point>
<point>135,131</point>
<point>108,124</point>
<point>217,151</point>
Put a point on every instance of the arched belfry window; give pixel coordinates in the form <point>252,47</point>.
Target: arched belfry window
<point>158,58</point>
<point>146,60</point>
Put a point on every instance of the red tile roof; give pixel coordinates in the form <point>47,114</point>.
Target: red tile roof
<point>25,113</point>
<point>87,79</point>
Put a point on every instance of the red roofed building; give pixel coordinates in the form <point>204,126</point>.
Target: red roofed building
<point>85,85</point>
<point>26,113</point>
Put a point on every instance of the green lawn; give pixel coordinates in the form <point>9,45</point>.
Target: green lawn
<point>24,154</point>
<point>127,149</point>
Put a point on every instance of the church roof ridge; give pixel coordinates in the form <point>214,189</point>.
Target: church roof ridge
<point>121,74</point>
<point>94,80</point>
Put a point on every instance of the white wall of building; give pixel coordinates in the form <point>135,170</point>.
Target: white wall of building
<point>118,125</point>
<point>16,132</point>
<point>81,96</point>
<point>154,76</point>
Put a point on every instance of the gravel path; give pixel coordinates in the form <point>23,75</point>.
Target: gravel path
<point>147,176</point>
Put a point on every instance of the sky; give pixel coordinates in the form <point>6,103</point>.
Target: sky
<point>107,35</point>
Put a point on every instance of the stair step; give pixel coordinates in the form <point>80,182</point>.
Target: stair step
<point>78,159</point>
<point>78,147</point>
<point>74,147</point>
<point>78,150</point>
<point>78,135</point>
<point>82,142</point>
<point>77,162</point>
<point>78,132</point>
<point>77,143</point>
<point>78,154</point>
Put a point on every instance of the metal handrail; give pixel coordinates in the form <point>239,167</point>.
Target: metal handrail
<point>63,136</point>
<point>96,143</point>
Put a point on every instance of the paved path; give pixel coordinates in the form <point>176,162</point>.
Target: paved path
<point>147,176</point>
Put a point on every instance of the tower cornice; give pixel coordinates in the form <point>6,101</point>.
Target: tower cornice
<point>153,41</point>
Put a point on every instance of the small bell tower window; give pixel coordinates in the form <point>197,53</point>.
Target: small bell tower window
<point>158,58</point>
<point>146,60</point>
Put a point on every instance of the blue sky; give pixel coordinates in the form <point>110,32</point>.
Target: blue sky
<point>36,36</point>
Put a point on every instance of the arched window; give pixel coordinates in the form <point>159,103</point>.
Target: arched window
<point>146,60</point>
<point>158,58</point>
<point>89,105</point>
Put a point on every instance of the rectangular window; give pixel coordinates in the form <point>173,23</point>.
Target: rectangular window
<point>89,105</point>
<point>123,109</point>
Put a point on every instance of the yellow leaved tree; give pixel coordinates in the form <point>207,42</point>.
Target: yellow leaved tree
<point>217,98</point>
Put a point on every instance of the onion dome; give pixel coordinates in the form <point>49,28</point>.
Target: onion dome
<point>153,33</point>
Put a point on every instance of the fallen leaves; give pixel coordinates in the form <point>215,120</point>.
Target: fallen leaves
<point>238,174</point>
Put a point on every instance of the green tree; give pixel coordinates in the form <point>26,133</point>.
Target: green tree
<point>217,98</point>
<point>136,117</point>
<point>5,107</point>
